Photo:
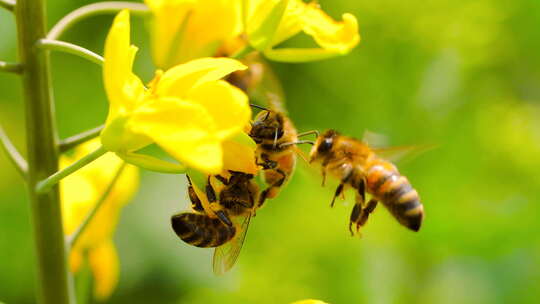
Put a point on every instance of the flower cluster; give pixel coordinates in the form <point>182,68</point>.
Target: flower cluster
<point>186,29</point>
<point>189,109</point>
<point>80,193</point>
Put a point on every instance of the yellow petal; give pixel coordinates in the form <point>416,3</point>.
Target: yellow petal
<point>179,80</point>
<point>210,24</point>
<point>103,261</point>
<point>186,29</point>
<point>75,260</point>
<point>123,88</point>
<point>264,22</point>
<point>168,18</point>
<point>239,157</point>
<point>228,106</point>
<point>183,129</point>
<point>291,23</point>
<point>78,195</point>
<point>339,37</point>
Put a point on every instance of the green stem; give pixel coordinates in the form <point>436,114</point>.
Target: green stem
<point>70,48</point>
<point>47,183</point>
<point>72,240</point>
<point>93,9</point>
<point>10,67</point>
<point>53,283</point>
<point>7,4</point>
<point>14,156</point>
<point>75,140</point>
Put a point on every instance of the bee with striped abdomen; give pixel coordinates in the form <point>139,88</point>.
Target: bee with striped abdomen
<point>220,218</point>
<point>358,166</point>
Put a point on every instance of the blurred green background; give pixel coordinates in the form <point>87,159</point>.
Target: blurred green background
<point>464,75</point>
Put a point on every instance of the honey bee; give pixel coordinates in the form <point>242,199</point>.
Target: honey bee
<point>220,217</point>
<point>276,139</point>
<point>357,165</point>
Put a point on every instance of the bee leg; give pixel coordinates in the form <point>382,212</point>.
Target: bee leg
<point>275,138</point>
<point>224,218</point>
<point>362,191</point>
<point>339,189</point>
<point>267,163</point>
<point>210,193</point>
<point>368,209</point>
<point>222,179</point>
<point>355,215</point>
<point>212,200</point>
<point>195,201</point>
<point>266,192</point>
<point>358,209</point>
<point>323,171</point>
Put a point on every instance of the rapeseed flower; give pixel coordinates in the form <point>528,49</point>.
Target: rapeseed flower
<point>79,194</point>
<point>188,29</point>
<point>271,22</point>
<point>188,110</point>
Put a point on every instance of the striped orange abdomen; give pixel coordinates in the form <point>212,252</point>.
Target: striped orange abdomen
<point>395,192</point>
<point>200,230</point>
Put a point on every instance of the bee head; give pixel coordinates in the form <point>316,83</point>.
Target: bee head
<point>267,125</point>
<point>323,145</point>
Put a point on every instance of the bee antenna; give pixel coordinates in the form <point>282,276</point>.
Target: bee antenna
<point>258,107</point>
<point>308,133</point>
<point>275,137</point>
<point>297,143</point>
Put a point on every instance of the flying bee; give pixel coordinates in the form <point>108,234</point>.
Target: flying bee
<point>276,139</point>
<point>358,166</point>
<point>220,218</point>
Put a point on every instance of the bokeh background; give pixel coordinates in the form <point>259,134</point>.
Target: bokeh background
<point>461,74</point>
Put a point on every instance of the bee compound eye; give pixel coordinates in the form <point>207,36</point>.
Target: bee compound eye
<point>325,145</point>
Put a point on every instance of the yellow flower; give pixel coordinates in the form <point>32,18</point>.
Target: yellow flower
<point>187,110</point>
<point>188,29</point>
<point>270,22</point>
<point>79,194</point>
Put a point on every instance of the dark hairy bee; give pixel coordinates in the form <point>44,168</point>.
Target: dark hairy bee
<point>358,166</point>
<point>220,217</point>
<point>275,136</point>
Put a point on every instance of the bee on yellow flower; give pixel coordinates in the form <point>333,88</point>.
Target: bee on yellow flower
<point>187,110</point>
<point>187,29</point>
<point>79,194</point>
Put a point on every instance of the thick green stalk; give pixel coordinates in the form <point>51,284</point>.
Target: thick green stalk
<point>52,274</point>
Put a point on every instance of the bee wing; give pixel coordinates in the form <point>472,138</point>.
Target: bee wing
<point>402,153</point>
<point>374,139</point>
<point>225,256</point>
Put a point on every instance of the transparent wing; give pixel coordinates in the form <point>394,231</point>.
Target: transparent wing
<point>375,139</point>
<point>402,154</point>
<point>225,256</point>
